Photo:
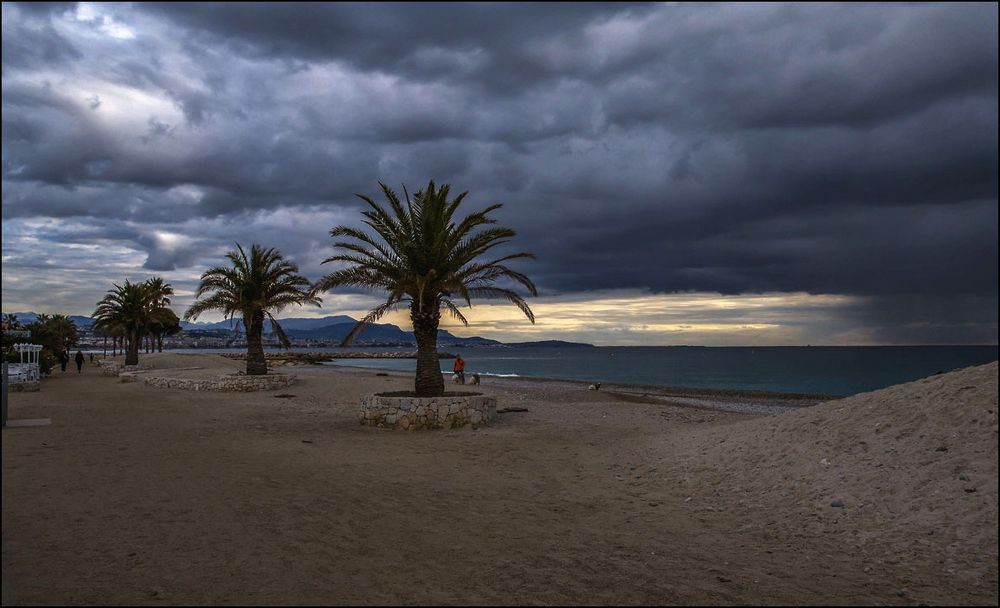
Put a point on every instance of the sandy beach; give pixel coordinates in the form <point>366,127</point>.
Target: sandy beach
<point>141,495</point>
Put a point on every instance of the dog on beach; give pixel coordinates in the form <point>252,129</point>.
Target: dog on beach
<point>475,378</point>
<point>594,387</point>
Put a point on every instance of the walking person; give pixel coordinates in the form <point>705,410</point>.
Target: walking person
<point>63,359</point>
<point>459,368</point>
<point>79,361</point>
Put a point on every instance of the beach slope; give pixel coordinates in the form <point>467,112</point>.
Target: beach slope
<point>138,495</point>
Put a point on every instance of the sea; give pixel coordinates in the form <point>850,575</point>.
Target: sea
<point>812,370</point>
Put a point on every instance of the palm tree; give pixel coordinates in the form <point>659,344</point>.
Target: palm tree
<point>130,309</point>
<point>166,326</point>
<point>55,332</point>
<point>256,286</point>
<point>421,256</point>
<point>108,328</point>
<point>102,332</point>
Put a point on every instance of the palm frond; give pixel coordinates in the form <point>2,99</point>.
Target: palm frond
<point>455,312</point>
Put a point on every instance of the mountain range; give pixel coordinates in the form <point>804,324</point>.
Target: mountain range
<point>332,328</point>
<point>29,317</point>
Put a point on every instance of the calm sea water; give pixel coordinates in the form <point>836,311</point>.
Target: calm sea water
<point>820,370</point>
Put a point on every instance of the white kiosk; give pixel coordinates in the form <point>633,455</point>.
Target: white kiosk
<point>26,376</point>
<point>25,371</point>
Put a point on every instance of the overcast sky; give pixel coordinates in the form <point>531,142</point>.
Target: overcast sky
<point>686,174</point>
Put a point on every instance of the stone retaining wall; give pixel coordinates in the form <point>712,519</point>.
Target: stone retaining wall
<point>32,386</point>
<point>415,413</point>
<point>108,368</point>
<point>113,368</point>
<point>226,383</point>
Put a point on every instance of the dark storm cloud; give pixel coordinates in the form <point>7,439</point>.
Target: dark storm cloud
<point>810,65</point>
<point>37,46</point>
<point>423,40</point>
<point>732,148</point>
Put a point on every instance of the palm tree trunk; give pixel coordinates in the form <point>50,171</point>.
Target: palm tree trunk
<point>429,382</point>
<point>256,362</point>
<point>132,354</point>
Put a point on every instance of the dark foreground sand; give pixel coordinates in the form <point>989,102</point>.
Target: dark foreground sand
<point>137,495</point>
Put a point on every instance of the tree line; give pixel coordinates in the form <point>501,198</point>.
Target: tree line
<point>54,333</point>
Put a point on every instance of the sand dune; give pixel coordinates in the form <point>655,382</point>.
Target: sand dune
<point>914,467</point>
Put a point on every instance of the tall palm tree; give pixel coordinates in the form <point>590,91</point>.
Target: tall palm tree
<point>421,256</point>
<point>256,286</point>
<point>166,326</point>
<point>129,309</point>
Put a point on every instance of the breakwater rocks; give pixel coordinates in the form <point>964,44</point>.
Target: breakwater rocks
<point>316,358</point>
<point>403,412</point>
<point>226,383</point>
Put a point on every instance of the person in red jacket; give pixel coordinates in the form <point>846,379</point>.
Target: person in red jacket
<point>459,368</point>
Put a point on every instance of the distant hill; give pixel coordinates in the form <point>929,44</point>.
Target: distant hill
<point>286,324</point>
<point>384,333</point>
<point>332,328</point>
<point>25,318</point>
<point>552,343</point>
<point>338,331</point>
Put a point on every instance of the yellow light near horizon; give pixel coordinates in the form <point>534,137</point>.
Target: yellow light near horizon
<point>669,316</point>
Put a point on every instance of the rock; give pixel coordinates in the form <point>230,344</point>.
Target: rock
<point>970,489</point>
<point>942,448</point>
<point>964,477</point>
<point>723,579</point>
<point>837,503</point>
